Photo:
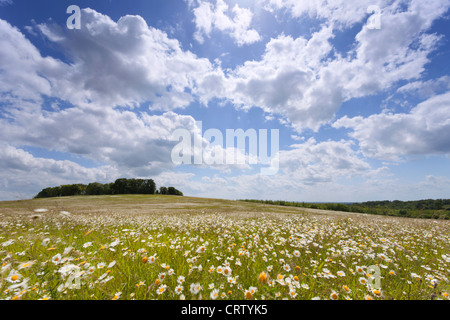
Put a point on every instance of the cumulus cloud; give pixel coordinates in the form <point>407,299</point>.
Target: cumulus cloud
<point>426,89</point>
<point>313,170</point>
<point>216,16</point>
<point>424,130</point>
<point>306,80</point>
<point>342,13</point>
<point>22,66</point>
<point>302,80</point>
<point>123,63</point>
<point>24,175</point>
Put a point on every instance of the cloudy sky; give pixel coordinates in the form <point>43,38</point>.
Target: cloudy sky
<point>359,92</point>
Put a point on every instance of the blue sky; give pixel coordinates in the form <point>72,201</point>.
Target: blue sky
<point>363,113</point>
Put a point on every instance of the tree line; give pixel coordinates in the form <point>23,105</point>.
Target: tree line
<point>428,209</point>
<point>120,186</point>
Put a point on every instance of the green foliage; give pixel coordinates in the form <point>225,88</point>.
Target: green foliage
<point>120,186</point>
<point>170,191</point>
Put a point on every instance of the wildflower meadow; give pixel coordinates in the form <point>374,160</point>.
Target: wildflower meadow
<point>202,254</point>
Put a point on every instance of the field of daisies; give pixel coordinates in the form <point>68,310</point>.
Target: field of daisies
<point>62,255</point>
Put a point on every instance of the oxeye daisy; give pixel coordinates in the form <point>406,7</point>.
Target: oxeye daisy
<point>214,294</point>
<point>161,276</point>
<point>87,244</point>
<point>180,279</point>
<point>178,289</point>
<point>117,296</point>
<point>201,249</point>
<point>226,271</point>
<point>334,295</point>
<point>14,277</point>
<point>195,288</point>
<point>376,292</point>
<point>287,268</point>
<point>341,273</point>
<point>248,295</point>
<point>362,280</point>
<point>161,289</point>
<point>292,292</point>
<point>26,265</point>
<point>360,270</point>
<point>56,258</point>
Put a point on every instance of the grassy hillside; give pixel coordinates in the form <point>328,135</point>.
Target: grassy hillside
<point>169,247</point>
<point>144,204</point>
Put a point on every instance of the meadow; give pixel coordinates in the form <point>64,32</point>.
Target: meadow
<point>167,247</point>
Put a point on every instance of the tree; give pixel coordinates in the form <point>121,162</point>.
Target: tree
<point>95,188</point>
<point>173,191</point>
<point>120,186</point>
<point>163,190</point>
<point>147,186</point>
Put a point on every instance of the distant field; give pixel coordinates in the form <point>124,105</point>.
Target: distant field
<point>171,247</point>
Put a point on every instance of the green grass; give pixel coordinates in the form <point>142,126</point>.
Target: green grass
<point>308,249</point>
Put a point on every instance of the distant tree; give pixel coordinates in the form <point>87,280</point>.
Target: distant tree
<point>163,190</point>
<point>72,190</point>
<point>95,188</point>
<point>147,186</point>
<point>173,191</point>
<point>108,188</point>
<point>120,186</point>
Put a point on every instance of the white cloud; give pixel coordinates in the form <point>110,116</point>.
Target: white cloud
<point>304,169</point>
<point>426,89</point>
<point>424,130</point>
<point>123,63</point>
<point>341,13</point>
<point>306,80</point>
<point>22,67</point>
<point>209,17</point>
<point>24,175</point>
